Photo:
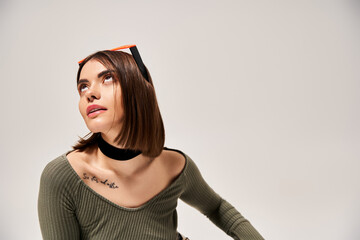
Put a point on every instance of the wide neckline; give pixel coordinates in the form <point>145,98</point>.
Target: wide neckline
<point>177,179</point>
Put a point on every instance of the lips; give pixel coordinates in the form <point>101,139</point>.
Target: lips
<point>93,108</point>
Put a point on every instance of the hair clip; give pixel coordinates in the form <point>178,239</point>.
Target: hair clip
<point>135,53</point>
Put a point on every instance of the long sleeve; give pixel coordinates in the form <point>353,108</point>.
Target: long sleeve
<point>200,195</point>
<point>56,209</point>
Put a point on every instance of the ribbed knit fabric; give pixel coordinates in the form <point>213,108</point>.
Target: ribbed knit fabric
<point>70,209</point>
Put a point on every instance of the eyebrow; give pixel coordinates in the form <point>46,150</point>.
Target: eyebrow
<point>98,76</point>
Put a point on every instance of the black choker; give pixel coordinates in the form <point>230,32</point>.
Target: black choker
<point>110,151</point>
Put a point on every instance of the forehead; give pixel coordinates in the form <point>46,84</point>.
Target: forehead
<point>91,69</point>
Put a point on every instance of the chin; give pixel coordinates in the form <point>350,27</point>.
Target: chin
<point>99,126</point>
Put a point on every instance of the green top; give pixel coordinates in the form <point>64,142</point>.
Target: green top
<point>69,209</point>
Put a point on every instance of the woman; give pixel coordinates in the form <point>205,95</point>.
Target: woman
<point>121,182</point>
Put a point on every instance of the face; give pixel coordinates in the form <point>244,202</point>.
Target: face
<point>97,86</point>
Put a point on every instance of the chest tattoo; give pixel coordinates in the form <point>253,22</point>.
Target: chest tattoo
<point>95,179</point>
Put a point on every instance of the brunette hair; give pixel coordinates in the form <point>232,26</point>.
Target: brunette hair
<point>143,127</point>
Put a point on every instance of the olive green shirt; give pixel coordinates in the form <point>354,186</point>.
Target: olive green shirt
<point>69,209</point>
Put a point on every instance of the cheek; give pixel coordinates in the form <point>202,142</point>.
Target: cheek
<point>81,108</point>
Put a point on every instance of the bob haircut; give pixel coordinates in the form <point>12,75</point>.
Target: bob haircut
<point>143,127</point>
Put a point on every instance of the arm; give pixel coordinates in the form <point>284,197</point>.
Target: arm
<point>56,205</point>
<point>200,195</point>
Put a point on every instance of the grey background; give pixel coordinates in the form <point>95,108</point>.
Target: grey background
<point>263,95</point>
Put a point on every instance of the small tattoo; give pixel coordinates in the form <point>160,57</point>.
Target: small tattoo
<point>112,185</point>
<point>105,182</point>
<point>94,179</point>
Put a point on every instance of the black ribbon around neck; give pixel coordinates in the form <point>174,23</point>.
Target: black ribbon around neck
<point>113,152</point>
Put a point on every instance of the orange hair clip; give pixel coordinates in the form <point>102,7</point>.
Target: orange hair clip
<point>114,49</point>
<point>136,56</point>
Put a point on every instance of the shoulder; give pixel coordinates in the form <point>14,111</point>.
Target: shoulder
<point>174,160</point>
<point>57,173</point>
<point>58,186</point>
<point>54,166</point>
<point>184,163</point>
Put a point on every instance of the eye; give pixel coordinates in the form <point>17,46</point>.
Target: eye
<point>108,78</point>
<point>81,87</point>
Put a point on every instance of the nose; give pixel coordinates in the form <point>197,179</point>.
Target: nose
<point>92,93</point>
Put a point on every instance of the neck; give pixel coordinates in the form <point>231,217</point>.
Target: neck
<point>126,168</point>
<point>121,168</point>
<point>113,152</point>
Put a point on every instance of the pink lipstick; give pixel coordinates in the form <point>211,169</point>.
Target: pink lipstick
<point>94,110</point>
